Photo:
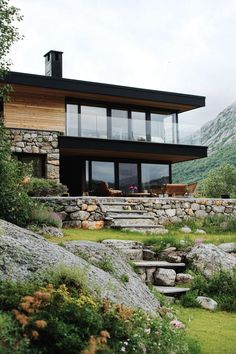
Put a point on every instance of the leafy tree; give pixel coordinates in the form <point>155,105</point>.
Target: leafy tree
<point>221,180</point>
<point>9,34</point>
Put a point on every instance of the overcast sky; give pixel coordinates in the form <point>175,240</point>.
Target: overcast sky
<point>184,46</point>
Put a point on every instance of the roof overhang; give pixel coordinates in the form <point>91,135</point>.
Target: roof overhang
<point>120,94</point>
<point>117,149</point>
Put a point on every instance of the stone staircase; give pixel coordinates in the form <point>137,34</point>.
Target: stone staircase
<point>147,269</point>
<point>128,216</point>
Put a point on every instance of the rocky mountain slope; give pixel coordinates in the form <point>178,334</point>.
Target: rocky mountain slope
<point>219,135</point>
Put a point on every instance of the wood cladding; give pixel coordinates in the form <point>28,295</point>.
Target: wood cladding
<point>30,109</point>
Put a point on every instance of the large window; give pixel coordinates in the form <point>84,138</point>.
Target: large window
<point>119,123</point>
<point>154,175</point>
<point>138,126</point>
<point>36,163</point>
<point>93,122</point>
<point>103,172</point>
<point>128,176</point>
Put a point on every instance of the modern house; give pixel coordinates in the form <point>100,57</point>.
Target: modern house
<point>82,132</point>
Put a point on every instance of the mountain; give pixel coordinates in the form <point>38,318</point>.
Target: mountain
<point>219,135</point>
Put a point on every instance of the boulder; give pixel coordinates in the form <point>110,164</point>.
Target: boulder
<point>207,303</point>
<point>173,258</point>
<point>229,247</point>
<point>51,231</point>
<point>186,230</point>
<point>208,259</point>
<point>183,278</point>
<point>148,254</point>
<point>123,244</point>
<point>200,232</point>
<point>165,277</point>
<point>24,254</point>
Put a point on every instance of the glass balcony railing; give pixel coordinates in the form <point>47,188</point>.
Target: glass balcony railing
<point>118,128</point>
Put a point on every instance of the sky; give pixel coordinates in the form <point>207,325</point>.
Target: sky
<point>185,46</point>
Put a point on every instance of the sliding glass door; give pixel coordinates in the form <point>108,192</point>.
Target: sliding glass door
<point>128,176</point>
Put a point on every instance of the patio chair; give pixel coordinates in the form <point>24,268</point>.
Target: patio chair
<point>103,190</point>
<point>176,190</point>
<point>191,188</point>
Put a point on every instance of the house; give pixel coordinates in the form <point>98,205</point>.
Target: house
<point>82,132</point>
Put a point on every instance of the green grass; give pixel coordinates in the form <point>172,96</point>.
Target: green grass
<point>214,330</point>
<point>99,235</point>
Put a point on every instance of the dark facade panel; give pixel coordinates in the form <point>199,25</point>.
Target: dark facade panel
<point>192,101</point>
<point>170,153</point>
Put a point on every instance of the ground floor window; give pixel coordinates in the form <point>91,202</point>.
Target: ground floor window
<point>126,175</point>
<point>35,161</point>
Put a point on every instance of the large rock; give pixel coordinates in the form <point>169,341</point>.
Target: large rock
<point>209,259</point>
<point>165,277</point>
<point>228,247</point>
<point>24,253</point>
<point>184,278</point>
<point>207,303</point>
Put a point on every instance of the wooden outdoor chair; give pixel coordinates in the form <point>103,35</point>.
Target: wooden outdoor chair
<point>176,190</point>
<point>103,190</point>
<point>191,188</point>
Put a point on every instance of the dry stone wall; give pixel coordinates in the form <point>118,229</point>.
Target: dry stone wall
<point>89,213</point>
<point>38,142</point>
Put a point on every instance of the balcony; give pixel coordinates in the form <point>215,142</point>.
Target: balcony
<point>158,129</point>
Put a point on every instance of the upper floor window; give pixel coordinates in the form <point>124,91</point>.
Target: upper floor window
<point>93,122</point>
<point>138,126</point>
<point>72,126</point>
<point>119,124</point>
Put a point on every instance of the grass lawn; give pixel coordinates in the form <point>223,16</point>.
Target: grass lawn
<point>214,330</point>
<point>99,235</point>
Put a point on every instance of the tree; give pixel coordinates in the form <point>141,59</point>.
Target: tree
<point>221,180</point>
<point>9,34</point>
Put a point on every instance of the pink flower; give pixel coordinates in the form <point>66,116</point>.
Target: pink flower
<point>177,324</point>
<point>199,241</point>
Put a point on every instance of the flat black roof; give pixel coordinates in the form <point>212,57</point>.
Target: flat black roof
<point>104,89</point>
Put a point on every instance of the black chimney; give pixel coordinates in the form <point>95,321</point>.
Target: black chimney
<point>53,64</point>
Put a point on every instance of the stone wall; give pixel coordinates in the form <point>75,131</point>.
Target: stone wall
<point>38,142</point>
<point>88,212</point>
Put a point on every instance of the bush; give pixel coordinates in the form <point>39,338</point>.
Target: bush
<point>160,243</point>
<point>62,317</point>
<point>42,215</point>
<point>221,180</point>
<point>39,187</point>
<point>221,287</point>
<point>15,204</point>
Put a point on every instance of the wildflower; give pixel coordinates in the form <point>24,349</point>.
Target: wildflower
<point>147,330</point>
<point>177,324</point>
<point>35,334</point>
<point>199,241</point>
<point>41,323</point>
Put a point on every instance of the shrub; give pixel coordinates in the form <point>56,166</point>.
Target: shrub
<point>42,215</point>
<point>160,243</point>
<point>221,180</point>
<point>40,187</point>
<point>15,204</point>
<point>62,317</point>
<point>105,264</point>
<point>124,278</point>
<point>189,299</point>
<point>221,287</point>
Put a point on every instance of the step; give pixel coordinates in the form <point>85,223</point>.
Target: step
<point>122,211</point>
<point>171,290</point>
<point>136,226</point>
<point>158,264</point>
<point>119,203</point>
<point>127,217</point>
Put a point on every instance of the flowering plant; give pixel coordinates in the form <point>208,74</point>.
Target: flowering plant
<point>133,188</point>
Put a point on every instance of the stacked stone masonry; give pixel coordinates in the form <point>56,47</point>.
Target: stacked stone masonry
<point>38,142</point>
<point>88,212</point>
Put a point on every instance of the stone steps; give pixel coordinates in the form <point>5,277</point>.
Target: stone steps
<point>132,211</point>
<point>137,217</point>
<point>159,264</point>
<point>171,290</point>
<point>142,226</point>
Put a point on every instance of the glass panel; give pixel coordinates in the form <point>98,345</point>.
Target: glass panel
<point>138,126</point>
<point>154,176</point>
<point>87,175</point>
<point>72,119</point>
<point>163,128</point>
<point>128,176</point>
<point>119,124</point>
<point>94,122</point>
<point>103,172</point>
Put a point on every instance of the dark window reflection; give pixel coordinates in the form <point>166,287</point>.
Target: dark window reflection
<point>154,176</point>
<point>103,172</point>
<point>128,176</point>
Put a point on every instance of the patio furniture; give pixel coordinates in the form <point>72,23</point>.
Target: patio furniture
<point>103,190</point>
<point>176,190</point>
<point>191,188</point>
